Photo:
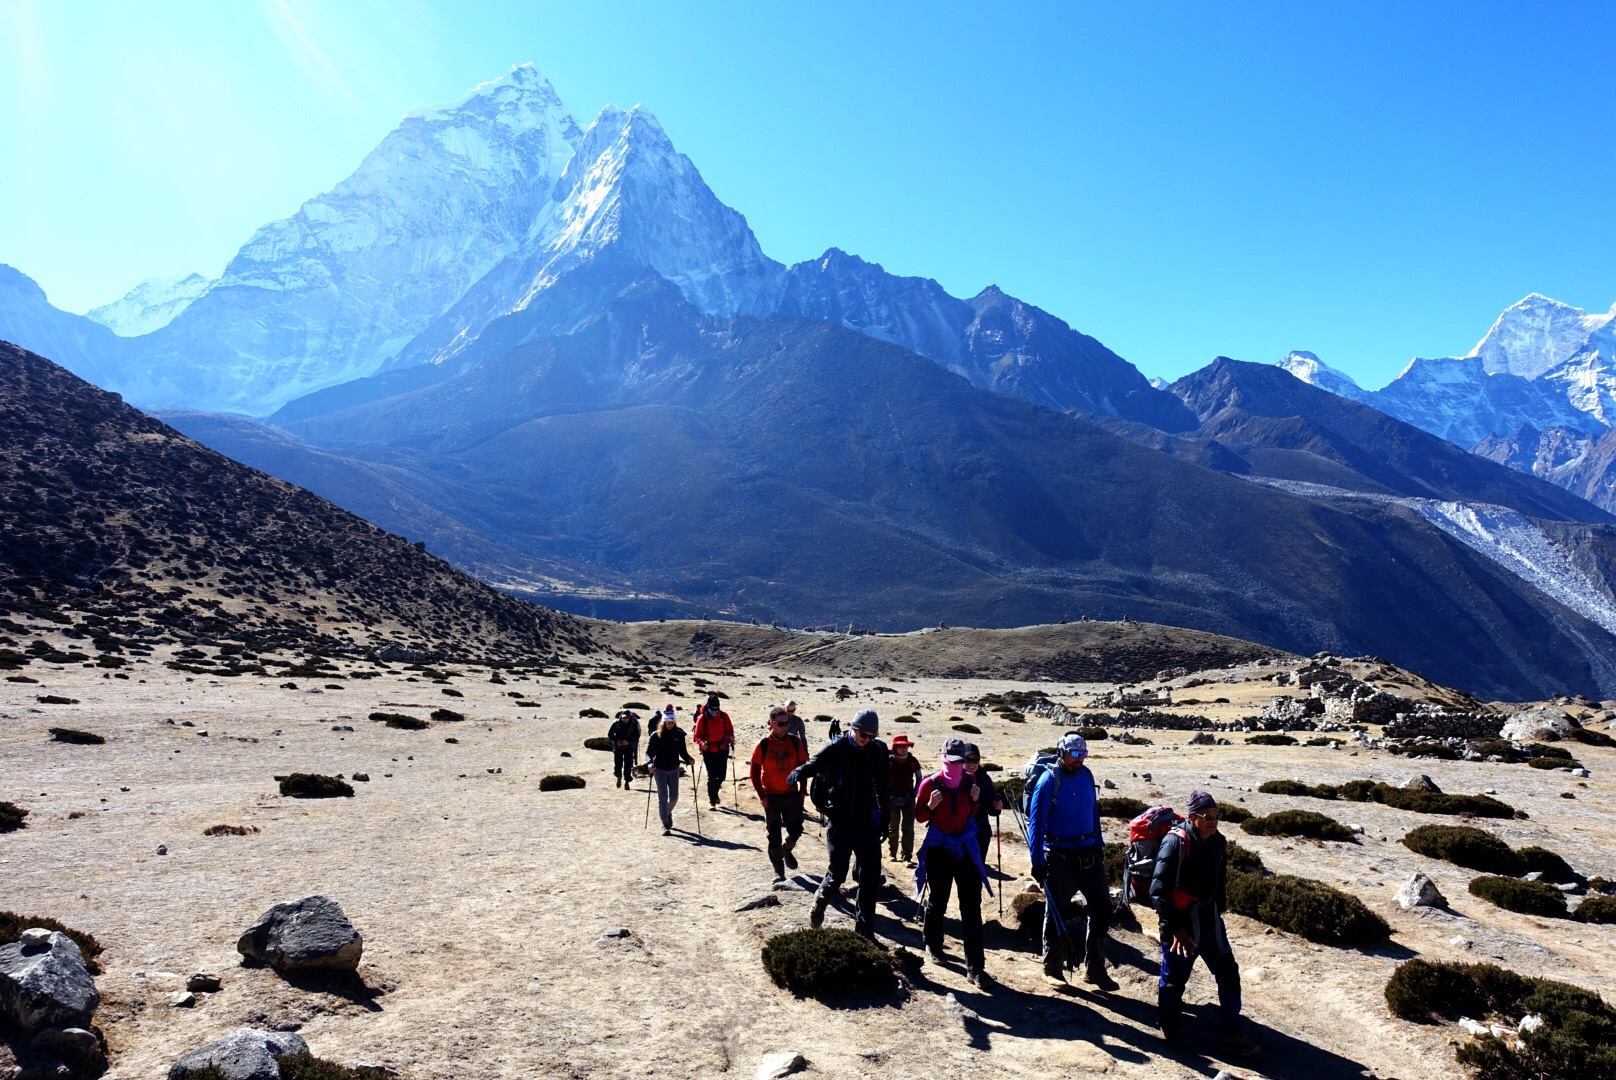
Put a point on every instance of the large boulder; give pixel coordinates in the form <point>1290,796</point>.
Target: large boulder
<point>244,1054</point>
<point>45,984</point>
<point>1542,723</point>
<point>311,934</point>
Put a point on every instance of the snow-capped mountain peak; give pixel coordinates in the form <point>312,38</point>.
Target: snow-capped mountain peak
<point>1315,372</point>
<point>1536,333</point>
<point>151,305</point>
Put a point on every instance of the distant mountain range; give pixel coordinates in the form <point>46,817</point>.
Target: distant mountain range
<point>555,356</point>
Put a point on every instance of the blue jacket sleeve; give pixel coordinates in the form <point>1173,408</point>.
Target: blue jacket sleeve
<point>1037,811</point>
<point>1094,793</point>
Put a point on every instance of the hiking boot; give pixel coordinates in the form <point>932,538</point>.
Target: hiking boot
<point>1054,976</point>
<point>816,917</point>
<point>864,930</point>
<point>1236,1044</point>
<point>979,979</point>
<point>667,832</point>
<point>790,859</point>
<point>934,953</point>
<point>779,872</point>
<point>1098,977</point>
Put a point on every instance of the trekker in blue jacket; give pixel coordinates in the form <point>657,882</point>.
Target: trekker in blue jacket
<point>1063,833</point>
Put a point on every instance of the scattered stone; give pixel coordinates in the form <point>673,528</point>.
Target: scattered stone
<point>46,984</point>
<point>182,999</point>
<point>82,1050</point>
<point>1109,784</point>
<point>762,900</point>
<point>204,983</point>
<point>1420,891</point>
<point>361,778</point>
<point>162,849</point>
<point>1529,1023</point>
<point>244,1054</point>
<point>1421,782</point>
<point>311,934</point>
<point>780,1064</point>
<point>1472,1027</point>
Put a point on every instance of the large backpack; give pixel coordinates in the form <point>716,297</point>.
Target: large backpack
<point>819,792</point>
<point>1031,773</point>
<point>1145,834</point>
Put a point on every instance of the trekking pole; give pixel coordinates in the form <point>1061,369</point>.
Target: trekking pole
<point>998,842</point>
<point>735,780</point>
<point>650,786</point>
<point>1049,904</point>
<point>695,798</point>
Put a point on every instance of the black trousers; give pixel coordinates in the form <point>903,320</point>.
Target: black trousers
<point>843,842</point>
<point>1071,872</point>
<point>623,759</point>
<point>717,765</point>
<point>782,813</point>
<point>944,871</point>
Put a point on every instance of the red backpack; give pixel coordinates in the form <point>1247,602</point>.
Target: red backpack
<point>1145,834</point>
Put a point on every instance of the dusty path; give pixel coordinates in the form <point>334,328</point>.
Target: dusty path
<point>483,903</point>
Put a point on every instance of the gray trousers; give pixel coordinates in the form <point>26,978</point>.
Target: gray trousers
<point>1085,926</point>
<point>667,794</point>
<point>902,828</point>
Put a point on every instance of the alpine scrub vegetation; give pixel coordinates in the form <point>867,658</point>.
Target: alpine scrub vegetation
<point>1304,823</point>
<point>300,785</point>
<point>1421,802</point>
<point>1526,897</point>
<point>560,782</point>
<point>827,963</point>
<point>1463,845</point>
<point>598,742</point>
<point>1312,909</point>
<point>402,721</point>
<point>1596,909</point>
<point>1122,807</point>
<point>11,816</point>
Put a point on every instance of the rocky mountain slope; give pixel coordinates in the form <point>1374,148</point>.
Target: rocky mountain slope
<point>111,512</point>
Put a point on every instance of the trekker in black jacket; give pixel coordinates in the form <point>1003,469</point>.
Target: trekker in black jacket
<point>855,766</point>
<point>625,738</point>
<point>1190,893</point>
<point>664,752</point>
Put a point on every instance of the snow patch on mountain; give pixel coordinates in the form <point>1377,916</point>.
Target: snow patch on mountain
<point>1315,372</point>
<point>1536,333</point>
<point>151,305</point>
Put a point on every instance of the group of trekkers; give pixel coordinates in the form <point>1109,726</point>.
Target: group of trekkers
<point>870,795</point>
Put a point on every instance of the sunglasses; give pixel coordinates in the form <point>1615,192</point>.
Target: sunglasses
<point>973,761</point>
<point>777,719</point>
<point>1214,818</point>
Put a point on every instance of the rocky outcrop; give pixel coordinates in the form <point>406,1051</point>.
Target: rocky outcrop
<point>311,934</point>
<point>1542,723</point>
<point>44,983</point>
<point>1429,722</point>
<point>244,1054</point>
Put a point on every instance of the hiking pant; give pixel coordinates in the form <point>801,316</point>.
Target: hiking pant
<point>943,872</point>
<point>1212,945</point>
<point>717,763</point>
<point>782,812</point>
<point>667,794</point>
<point>843,841</point>
<point>902,827</point>
<point>623,759</point>
<point>1085,928</point>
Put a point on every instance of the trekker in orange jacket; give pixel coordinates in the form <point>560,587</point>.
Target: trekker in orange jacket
<point>715,737</point>
<point>773,760</point>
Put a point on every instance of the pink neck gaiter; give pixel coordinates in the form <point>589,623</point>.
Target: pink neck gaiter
<point>953,773</point>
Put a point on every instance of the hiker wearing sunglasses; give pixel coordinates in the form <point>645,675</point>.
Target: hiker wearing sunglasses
<point>1189,893</point>
<point>853,771</point>
<point>1068,857</point>
<point>989,803</point>
<point>773,760</point>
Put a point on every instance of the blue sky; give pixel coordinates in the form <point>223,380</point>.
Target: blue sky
<point>1369,181</point>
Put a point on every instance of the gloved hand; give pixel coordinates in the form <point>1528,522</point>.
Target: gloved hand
<point>1039,873</point>
<point>796,776</point>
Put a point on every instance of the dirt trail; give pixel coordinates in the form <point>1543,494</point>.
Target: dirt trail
<point>483,903</point>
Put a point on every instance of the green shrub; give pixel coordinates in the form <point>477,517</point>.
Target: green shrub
<point>1312,909</point>
<point>1271,738</point>
<point>302,785</point>
<point>969,729</point>
<point>1550,865</point>
<point>11,816</point>
<point>305,1066</point>
<point>560,782</point>
<point>75,736</point>
<point>1324,740</point>
<point>402,721</point>
<point>591,714</point>
<point>1432,802</point>
<point>1299,823</point>
<point>1296,787</point>
<point>1526,897</point>
<point>826,963</point>
<point>1596,909</point>
<point>1464,846</point>
<point>229,830</point>
<point>1233,814</point>
<point>1242,860</point>
<point>1554,763</point>
<point>1422,990</point>
<point>12,925</point>
<point>447,716</point>
<point>1589,737</point>
<point>636,706</point>
<point>1122,807</point>
<point>56,699</point>
<point>599,743</point>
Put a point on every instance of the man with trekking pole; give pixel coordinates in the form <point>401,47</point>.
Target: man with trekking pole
<point>774,758</point>
<point>1063,837</point>
<point>715,735</point>
<point>855,777</point>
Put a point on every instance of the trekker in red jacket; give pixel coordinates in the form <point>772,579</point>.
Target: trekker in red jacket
<point>715,737</point>
<point>773,760</point>
<point>949,858</point>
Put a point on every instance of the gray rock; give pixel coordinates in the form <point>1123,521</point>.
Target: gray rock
<point>361,778</point>
<point>311,934</point>
<point>780,1064</point>
<point>35,938</point>
<point>46,985</point>
<point>1421,782</point>
<point>1539,723</point>
<point>1109,785</point>
<point>244,1054</point>
<point>1420,891</point>
<point>1203,738</point>
<point>762,900</point>
<point>182,999</point>
<point>83,1051</point>
<point>203,982</point>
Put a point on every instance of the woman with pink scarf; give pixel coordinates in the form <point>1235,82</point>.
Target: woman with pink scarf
<point>946,804</point>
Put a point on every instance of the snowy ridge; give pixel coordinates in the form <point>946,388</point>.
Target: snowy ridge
<point>1537,333</point>
<point>1315,372</point>
<point>151,305</point>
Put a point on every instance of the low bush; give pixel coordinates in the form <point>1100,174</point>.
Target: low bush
<point>1545,862</point>
<point>599,743</point>
<point>56,699</point>
<point>1094,734</point>
<point>1434,802</point>
<point>1299,823</point>
<point>1011,788</point>
<point>1577,1040</point>
<point>1242,860</point>
<point>1312,909</point>
<point>305,1066</point>
<point>11,816</point>
<point>402,721</point>
<point>636,706</point>
<point>1464,846</point>
<point>302,785</point>
<point>1027,914</point>
<point>1596,909</point>
<point>447,716</point>
<point>1324,740</point>
<point>560,782</point>
<point>75,736</point>
<point>1589,737</point>
<point>1233,814</point>
<point>229,830</point>
<point>12,925</point>
<point>591,714</point>
<point>1526,897</point>
<point>1554,763</point>
<point>1271,738</point>
<point>1122,807</point>
<point>826,963</point>
<point>1296,787</point>
<point>969,729</point>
